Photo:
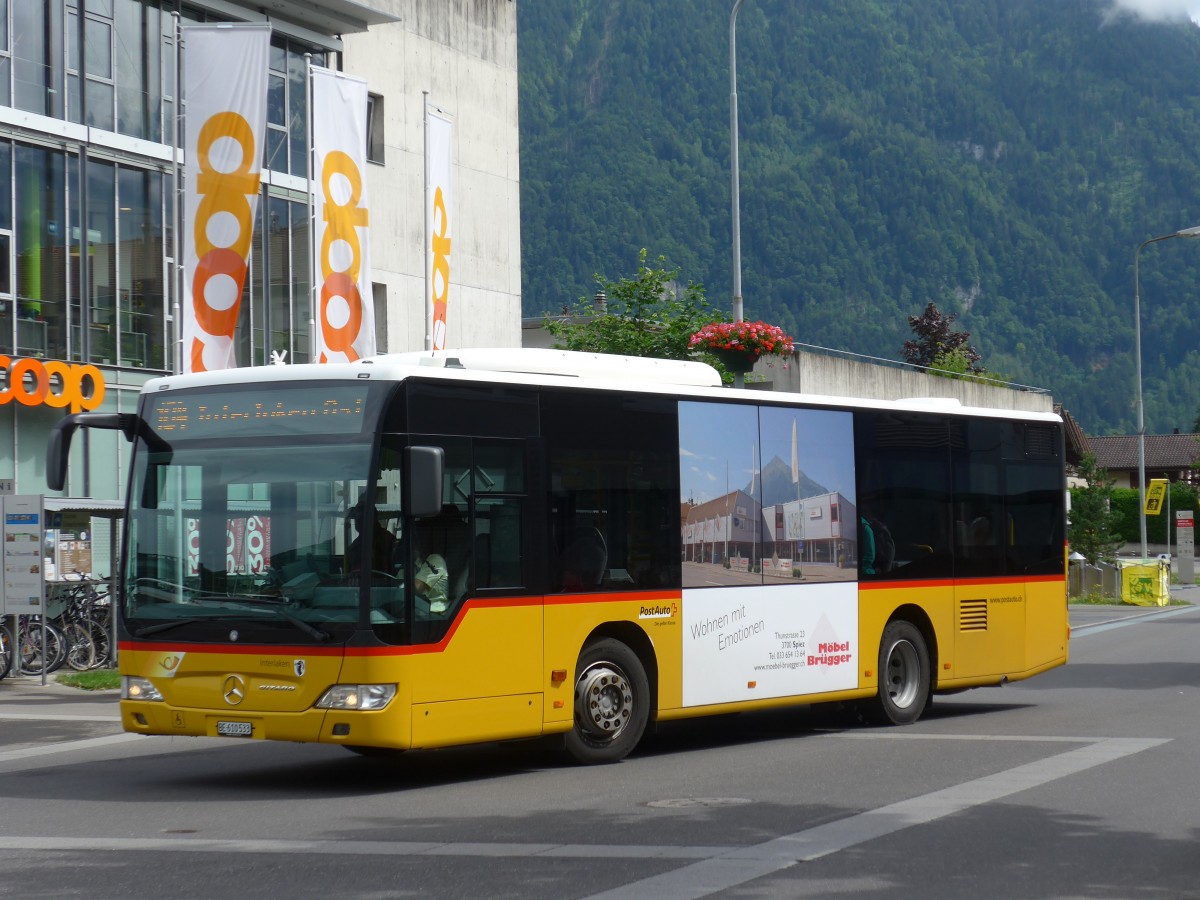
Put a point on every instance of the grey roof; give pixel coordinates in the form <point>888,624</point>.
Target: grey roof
<point>101,509</point>
<point>1076,440</point>
<point>1163,451</point>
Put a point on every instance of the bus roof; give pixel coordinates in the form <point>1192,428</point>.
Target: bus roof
<point>543,367</point>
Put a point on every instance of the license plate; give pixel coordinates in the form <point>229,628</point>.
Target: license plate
<point>235,729</point>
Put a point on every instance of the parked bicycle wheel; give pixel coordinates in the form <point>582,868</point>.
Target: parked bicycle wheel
<point>81,647</point>
<point>30,647</point>
<point>101,640</point>
<point>5,652</point>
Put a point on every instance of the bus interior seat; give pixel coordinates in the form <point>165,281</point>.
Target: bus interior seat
<point>585,558</point>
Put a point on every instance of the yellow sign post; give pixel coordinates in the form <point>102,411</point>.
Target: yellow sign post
<point>1156,495</point>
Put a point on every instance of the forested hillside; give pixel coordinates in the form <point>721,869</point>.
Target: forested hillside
<point>1003,158</point>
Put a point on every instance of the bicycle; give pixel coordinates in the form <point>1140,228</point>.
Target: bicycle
<point>6,656</point>
<point>38,639</point>
<point>86,620</point>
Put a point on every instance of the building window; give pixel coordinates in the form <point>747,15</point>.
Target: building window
<point>5,55</point>
<point>139,82</point>
<point>277,146</point>
<point>40,178</point>
<point>287,119</point>
<point>96,279</point>
<point>37,41</point>
<point>375,128</point>
<point>379,298</point>
<point>140,269</point>
<point>274,317</point>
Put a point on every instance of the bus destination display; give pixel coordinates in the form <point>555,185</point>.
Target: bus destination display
<point>311,409</point>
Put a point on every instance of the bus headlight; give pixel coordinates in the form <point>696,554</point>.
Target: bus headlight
<point>135,688</point>
<point>357,696</point>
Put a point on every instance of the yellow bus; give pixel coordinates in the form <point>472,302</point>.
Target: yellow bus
<point>425,550</point>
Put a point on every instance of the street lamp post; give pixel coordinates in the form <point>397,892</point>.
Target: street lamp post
<point>733,165</point>
<point>1137,332</point>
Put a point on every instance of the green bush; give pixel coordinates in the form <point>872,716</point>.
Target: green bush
<point>1125,501</point>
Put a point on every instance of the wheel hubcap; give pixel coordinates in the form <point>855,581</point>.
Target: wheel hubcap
<point>603,701</point>
<point>903,674</point>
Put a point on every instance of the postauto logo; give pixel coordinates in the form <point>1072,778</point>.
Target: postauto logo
<point>60,385</point>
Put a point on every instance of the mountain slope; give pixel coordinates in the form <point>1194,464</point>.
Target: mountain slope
<point>1003,158</point>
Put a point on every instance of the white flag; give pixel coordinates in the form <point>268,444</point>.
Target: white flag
<point>345,314</point>
<point>439,214</point>
<point>225,86</point>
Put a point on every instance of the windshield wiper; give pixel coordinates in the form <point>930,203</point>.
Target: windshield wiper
<point>165,626</point>
<point>308,628</point>
<point>276,604</point>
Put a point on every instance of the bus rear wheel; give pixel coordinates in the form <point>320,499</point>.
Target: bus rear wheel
<point>904,678</point>
<point>612,703</point>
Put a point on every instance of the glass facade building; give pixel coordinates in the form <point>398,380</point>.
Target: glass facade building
<point>89,112</point>
<point>86,223</point>
<point>88,108</point>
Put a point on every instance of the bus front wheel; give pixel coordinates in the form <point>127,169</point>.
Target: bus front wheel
<point>612,703</point>
<point>904,678</point>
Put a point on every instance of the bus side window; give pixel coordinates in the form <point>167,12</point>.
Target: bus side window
<point>904,482</point>
<point>499,486</point>
<point>498,543</point>
<point>613,477</point>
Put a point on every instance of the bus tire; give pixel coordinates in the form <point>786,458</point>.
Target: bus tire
<point>904,680</point>
<point>612,703</point>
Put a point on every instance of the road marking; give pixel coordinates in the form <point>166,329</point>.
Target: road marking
<point>1132,619</point>
<point>714,868</point>
<point>63,717</point>
<point>358,848</point>
<point>67,746</point>
<point>745,864</point>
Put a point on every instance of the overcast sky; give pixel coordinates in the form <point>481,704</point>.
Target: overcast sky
<point>1157,10</point>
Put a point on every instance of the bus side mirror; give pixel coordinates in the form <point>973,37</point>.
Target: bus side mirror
<point>58,450</point>
<point>424,473</point>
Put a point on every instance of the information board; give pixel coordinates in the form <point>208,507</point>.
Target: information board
<point>23,521</point>
<point>73,544</point>
<point>1185,548</point>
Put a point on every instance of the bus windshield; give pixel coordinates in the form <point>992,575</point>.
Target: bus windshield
<point>226,538</point>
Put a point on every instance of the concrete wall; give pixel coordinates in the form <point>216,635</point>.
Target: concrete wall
<point>819,373</point>
<point>464,54</point>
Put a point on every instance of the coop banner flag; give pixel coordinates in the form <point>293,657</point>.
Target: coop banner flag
<point>346,319</point>
<point>225,86</point>
<point>439,213</point>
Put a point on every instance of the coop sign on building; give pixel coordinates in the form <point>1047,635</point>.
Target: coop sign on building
<point>51,382</point>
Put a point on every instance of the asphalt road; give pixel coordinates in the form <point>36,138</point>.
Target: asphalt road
<point>1080,783</point>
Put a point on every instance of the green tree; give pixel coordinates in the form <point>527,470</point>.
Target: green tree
<point>646,315</point>
<point>936,346</point>
<point>1094,526</point>
<point>956,364</point>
